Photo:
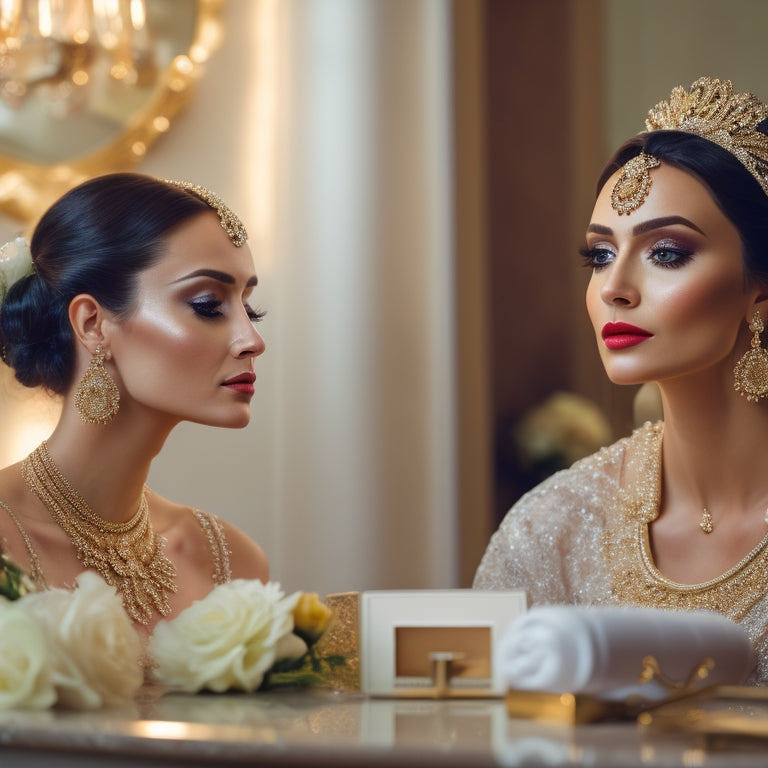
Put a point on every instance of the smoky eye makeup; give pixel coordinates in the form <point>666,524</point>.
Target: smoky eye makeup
<point>596,256</point>
<point>208,307</point>
<point>670,254</point>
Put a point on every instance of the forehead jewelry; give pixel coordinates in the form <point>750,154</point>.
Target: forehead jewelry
<point>633,184</point>
<point>229,220</point>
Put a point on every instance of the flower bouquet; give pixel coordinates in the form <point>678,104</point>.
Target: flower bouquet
<point>78,649</point>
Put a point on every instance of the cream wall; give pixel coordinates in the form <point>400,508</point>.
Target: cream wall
<point>653,45</point>
<point>326,125</point>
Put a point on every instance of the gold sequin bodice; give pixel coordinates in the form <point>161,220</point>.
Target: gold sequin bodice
<point>634,576</point>
<point>581,538</point>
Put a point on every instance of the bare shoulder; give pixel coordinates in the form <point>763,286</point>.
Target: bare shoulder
<point>188,534</point>
<point>247,558</point>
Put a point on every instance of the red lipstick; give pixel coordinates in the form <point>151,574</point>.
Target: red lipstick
<point>623,335</point>
<point>243,382</point>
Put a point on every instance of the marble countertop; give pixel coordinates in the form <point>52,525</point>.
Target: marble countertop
<point>317,728</point>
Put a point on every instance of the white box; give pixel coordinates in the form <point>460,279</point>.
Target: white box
<point>399,628</point>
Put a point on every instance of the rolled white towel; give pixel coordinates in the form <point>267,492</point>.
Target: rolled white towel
<point>600,651</point>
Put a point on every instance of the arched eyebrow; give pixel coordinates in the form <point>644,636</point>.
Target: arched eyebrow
<point>649,226</point>
<point>215,274</point>
<point>664,221</point>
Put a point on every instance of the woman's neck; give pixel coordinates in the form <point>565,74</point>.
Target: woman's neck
<point>713,448</point>
<point>107,465</point>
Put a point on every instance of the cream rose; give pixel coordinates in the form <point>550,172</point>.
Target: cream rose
<point>226,641</point>
<point>94,650</point>
<point>25,674</point>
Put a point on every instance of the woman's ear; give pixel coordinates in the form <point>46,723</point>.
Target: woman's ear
<point>760,304</point>
<point>86,316</point>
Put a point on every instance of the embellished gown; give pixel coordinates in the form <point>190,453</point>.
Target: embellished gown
<point>581,538</point>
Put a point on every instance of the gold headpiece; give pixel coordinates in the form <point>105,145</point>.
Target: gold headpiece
<point>709,109</point>
<point>229,220</point>
<point>712,110</point>
<point>633,184</point>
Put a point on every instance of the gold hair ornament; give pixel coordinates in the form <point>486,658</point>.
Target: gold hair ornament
<point>229,220</point>
<point>633,184</point>
<point>15,263</point>
<point>712,110</point>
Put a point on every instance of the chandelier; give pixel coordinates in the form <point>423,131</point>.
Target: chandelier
<point>70,52</point>
<point>86,86</point>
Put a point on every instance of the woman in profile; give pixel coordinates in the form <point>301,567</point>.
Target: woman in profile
<point>135,309</point>
<point>675,516</point>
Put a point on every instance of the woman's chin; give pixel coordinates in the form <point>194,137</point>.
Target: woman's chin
<point>230,421</point>
<point>625,378</point>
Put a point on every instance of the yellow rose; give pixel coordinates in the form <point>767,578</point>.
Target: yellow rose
<point>311,617</point>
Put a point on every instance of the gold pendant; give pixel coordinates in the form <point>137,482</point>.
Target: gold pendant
<point>706,522</point>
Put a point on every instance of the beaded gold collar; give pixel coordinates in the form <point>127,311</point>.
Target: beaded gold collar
<point>128,555</point>
<point>626,545</point>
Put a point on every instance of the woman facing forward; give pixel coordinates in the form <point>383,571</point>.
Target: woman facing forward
<point>135,309</point>
<point>675,516</point>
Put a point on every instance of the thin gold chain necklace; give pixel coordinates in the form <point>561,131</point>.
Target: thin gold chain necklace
<point>129,555</point>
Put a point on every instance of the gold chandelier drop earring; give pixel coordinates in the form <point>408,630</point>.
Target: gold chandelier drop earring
<point>750,376</point>
<point>97,397</point>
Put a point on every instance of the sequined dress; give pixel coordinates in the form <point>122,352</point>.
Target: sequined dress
<point>581,538</point>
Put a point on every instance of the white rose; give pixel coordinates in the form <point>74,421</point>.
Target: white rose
<point>94,649</point>
<point>228,640</point>
<point>25,675</point>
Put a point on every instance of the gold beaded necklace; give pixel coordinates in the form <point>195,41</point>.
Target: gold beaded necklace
<point>129,555</point>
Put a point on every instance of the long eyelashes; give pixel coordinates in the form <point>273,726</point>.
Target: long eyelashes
<point>595,258</point>
<point>206,307</point>
<point>671,257</point>
<point>211,309</point>
<point>663,255</point>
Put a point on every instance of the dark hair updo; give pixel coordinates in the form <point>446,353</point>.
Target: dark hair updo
<point>734,189</point>
<point>96,239</point>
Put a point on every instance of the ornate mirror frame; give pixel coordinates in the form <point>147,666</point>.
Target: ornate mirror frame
<point>27,188</point>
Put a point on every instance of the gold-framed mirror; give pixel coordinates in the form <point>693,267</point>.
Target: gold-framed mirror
<point>86,86</point>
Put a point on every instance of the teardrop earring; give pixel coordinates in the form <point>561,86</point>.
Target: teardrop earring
<point>750,376</point>
<point>97,397</point>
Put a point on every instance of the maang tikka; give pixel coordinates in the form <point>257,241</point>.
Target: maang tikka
<point>97,397</point>
<point>750,376</point>
<point>633,184</point>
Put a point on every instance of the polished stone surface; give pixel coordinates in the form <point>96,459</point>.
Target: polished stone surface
<point>319,728</point>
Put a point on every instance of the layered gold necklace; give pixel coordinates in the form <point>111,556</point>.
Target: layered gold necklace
<point>129,555</point>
